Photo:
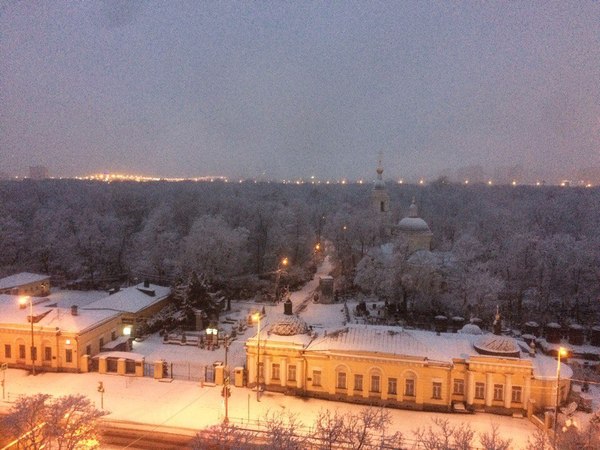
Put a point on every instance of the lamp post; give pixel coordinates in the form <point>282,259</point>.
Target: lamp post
<point>561,352</point>
<point>23,301</point>
<point>210,331</point>
<point>256,317</point>
<point>283,263</point>
<point>226,391</point>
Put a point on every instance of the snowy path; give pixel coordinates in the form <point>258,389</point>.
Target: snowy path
<point>304,296</point>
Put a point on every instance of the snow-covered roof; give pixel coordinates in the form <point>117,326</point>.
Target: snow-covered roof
<point>395,341</point>
<point>132,299</point>
<point>413,224</point>
<point>49,316</point>
<point>421,344</point>
<point>20,279</point>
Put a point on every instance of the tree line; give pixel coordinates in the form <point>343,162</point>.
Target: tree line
<point>535,251</point>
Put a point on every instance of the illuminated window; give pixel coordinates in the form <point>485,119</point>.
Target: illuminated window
<point>275,371</point>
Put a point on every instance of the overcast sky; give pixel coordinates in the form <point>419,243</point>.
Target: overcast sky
<point>299,88</point>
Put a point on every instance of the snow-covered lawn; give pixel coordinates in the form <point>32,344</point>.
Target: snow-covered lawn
<point>185,404</point>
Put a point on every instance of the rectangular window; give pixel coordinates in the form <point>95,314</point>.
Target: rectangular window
<point>47,353</point>
<point>392,386</point>
<point>375,387</point>
<point>517,394</point>
<point>261,370</point>
<point>341,380</point>
<point>409,387</point>
<point>292,372</point>
<point>7,351</point>
<point>316,378</point>
<point>69,355</point>
<point>437,390</point>
<point>459,387</point>
<point>358,382</point>
<point>34,353</point>
<point>275,371</point>
<point>101,343</point>
<point>499,392</point>
<point>113,335</point>
<point>480,390</point>
<point>22,351</point>
<point>88,349</point>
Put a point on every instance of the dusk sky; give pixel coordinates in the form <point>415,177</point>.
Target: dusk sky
<point>299,88</point>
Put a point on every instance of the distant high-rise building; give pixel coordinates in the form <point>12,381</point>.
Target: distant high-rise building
<point>38,172</point>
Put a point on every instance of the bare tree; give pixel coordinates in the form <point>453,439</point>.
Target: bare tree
<point>27,419</point>
<point>72,422</point>
<point>225,436</point>
<point>491,440</point>
<point>436,438</point>
<point>539,441</point>
<point>283,431</point>
<point>65,423</point>
<point>362,428</point>
<point>329,429</point>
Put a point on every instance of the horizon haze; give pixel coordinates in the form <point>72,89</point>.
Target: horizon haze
<point>299,89</point>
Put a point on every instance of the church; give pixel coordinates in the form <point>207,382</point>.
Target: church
<point>413,227</point>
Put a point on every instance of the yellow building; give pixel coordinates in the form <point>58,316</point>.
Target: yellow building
<point>402,368</point>
<point>57,339</point>
<point>79,337</point>
<point>26,283</point>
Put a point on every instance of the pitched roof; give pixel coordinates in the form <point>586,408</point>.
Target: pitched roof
<point>19,279</point>
<point>132,299</point>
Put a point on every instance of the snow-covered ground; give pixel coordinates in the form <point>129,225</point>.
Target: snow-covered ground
<point>189,405</point>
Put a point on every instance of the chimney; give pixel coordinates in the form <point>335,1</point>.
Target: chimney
<point>146,283</point>
<point>74,311</point>
<point>287,307</point>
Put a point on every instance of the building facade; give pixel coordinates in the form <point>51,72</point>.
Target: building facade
<point>26,283</point>
<point>400,368</point>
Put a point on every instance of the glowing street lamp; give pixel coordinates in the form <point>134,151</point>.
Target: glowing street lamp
<point>561,352</point>
<point>256,318</point>
<point>280,267</point>
<point>213,332</point>
<point>23,302</point>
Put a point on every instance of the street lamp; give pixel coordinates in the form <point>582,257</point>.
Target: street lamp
<point>210,331</point>
<point>282,264</point>
<point>23,302</point>
<point>226,389</point>
<point>256,318</point>
<point>561,352</point>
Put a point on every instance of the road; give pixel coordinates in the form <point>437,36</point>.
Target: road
<point>138,436</point>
